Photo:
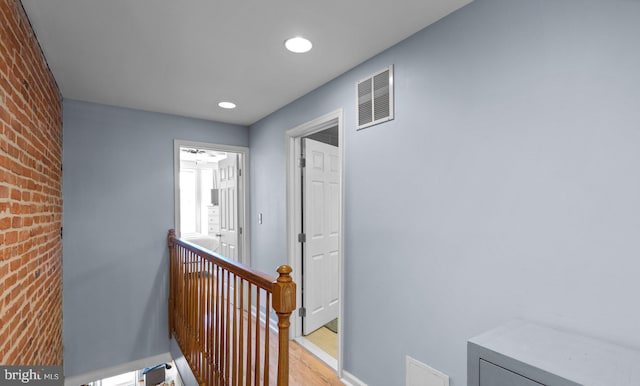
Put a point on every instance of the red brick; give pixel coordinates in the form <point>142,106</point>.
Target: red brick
<point>10,280</point>
<point>4,113</point>
<point>27,221</point>
<point>14,265</point>
<point>30,158</point>
<point>16,208</point>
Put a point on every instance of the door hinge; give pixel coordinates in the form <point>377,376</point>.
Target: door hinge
<point>61,228</point>
<point>240,230</point>
<point>302,162</point>
<point>239,172</point>
<point>302,312</point>
<point>302,238</point>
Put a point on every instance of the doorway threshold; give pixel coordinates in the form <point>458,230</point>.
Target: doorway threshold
<point>317,352</point>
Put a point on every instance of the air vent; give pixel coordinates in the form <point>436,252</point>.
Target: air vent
<point>375,98</point>
<point>419,374</point>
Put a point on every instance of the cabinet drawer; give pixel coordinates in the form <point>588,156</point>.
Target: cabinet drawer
<point>492,375</point>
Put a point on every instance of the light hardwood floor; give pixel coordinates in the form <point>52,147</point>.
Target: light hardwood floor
<point>307,370</point>
<point>325,339</point>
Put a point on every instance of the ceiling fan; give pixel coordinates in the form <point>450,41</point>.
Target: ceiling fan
<point>192,151</point>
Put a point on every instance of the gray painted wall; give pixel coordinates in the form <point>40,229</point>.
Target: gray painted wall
<point>507,186</point>
<point>118,206</point>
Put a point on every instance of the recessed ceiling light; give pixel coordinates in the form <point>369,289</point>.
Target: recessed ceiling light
<point>227,105</point>
<point>298,45</point>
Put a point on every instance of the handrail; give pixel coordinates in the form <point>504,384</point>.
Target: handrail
<point>214,314</point>
<point>258,278</point>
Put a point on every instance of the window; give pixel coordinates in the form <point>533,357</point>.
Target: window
<point>188,201</point>
<point>196,185</point>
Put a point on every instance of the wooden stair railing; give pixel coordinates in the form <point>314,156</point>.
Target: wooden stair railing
<point>219,315</point>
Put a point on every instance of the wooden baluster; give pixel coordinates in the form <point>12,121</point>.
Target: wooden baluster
<point>213,317</point>
<point>249,345</point>
<point>194,315</point>
<point>203,321</point>
<point>234,338</point>
<point>185,302</point>
<point>179,283</point>
<point>212,323</point>
<point>196,319</point>
<point>266,339</point>
<point>176,291</point>
<point>185,337</point>
<point>198,314</point>
<point>195,324</point>
<point>218,343</point>
<point>227,329</point>
<point>188,299</point>
<point>170,239</point>
<point>220,301</point>
<point>221,330</point>
<point>182,283</point>
<point>220,306</point>
<point>201,334</point>
<point>284,303</point>
<point>187,283</point>
<point>179,297</point>
<point>241,338</point>
<point>256,370</point>
<point>204,278</point>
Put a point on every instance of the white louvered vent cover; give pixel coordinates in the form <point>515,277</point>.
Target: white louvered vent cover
<point>375,98</point>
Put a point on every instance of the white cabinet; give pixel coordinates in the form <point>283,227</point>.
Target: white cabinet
<point>213,220</point>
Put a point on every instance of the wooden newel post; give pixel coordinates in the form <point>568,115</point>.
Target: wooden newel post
<point>284,303</point>
<point>170,241</point>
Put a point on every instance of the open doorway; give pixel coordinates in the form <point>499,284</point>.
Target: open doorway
<point>314,205</point>
<point>211,197</point>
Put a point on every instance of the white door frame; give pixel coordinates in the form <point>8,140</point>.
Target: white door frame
<point>294,224</point>
<point>243,182</point>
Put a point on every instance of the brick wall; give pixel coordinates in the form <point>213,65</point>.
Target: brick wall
<point>30,197</point>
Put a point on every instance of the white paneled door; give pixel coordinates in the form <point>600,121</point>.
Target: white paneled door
<point>321,227</point>
<point>228,171</point>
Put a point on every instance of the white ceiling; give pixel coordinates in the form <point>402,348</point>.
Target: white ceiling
<point>184,56</point>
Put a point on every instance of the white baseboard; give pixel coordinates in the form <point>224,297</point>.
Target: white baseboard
<point>116,370</point>
<point>350,379</point>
